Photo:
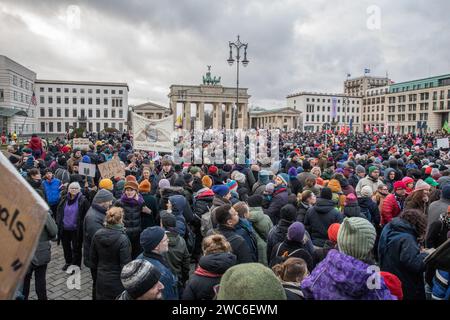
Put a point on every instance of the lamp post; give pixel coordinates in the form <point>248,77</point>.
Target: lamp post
<point>238,45</point>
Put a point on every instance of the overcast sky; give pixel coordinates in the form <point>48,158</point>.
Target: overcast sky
<point>292,45</point>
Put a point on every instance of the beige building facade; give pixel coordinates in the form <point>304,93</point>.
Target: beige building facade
<point>357,87</point>
<point>152,110</point>
<point>283,119</point>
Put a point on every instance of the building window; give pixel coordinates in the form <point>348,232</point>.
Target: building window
<point>41,98</point>
<point>90,113</point>
<point>120,91</point>
<point>113,114</point>
<point>74,90</point>
<point>42,126</point>
<point>66,113</point>
<point>105,101</point>
<point>97,126</point>
<point>74,100</point>
<point>41,89</point>
<point>81,100</point>
<point>66,126</point>
<point>81,90</point>
<point>58,100</point>
<point>50,127</point>
<point>58,127</point>
<point>50,112</point>
<point>105,113</point>
<point>97,113</point>
<point>83,113</point>
<point>42,112</point>
<point>74,113</point>
<point>2,95</point>
<point>105,91</point>
<point>120,126</point>
<point>120,113</point>
<point>113,102</point>
<point>66,90</point>
<point>113,91</point>
<point>113,124</point>
<point>89,90</point>
<point>50,100</point>
<point>105,125</point>
<point>97,91</point>
<point>66,100</point>
<point>97,101</point>
<point>89,100</point>
<point>58,112</point>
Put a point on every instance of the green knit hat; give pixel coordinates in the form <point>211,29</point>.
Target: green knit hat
<point>356,237</point>
<point>250,281</point>
<point>194,170</point>
<point>372,169</point>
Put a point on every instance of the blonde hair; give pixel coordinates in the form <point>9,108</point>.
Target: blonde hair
<point>114,216</point>
<point>215,243</point>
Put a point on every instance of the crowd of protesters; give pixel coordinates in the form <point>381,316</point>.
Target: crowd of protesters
<point>335,212</point>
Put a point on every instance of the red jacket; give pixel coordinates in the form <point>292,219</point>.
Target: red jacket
<point>390,209</point>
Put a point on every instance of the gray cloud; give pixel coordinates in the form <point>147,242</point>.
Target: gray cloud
<point>293,45</point>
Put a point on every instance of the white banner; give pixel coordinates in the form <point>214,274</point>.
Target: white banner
<point>152,134</point>
<point>86,169</point>
<point>442,143</point>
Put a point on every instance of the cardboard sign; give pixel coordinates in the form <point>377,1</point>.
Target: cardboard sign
<point>23,214</point>
<point>111,169</point>
<point>442,143</point>
<point>86,169</point>
<point>81,143</point>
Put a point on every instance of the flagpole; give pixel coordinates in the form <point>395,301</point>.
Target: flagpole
<point>28,109</point>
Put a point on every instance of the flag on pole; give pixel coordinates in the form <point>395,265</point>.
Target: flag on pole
<point>33,99</point>
<point>348,75</point>
<point>179,122</point>
<point>446,127</point>
<point>366,71</point>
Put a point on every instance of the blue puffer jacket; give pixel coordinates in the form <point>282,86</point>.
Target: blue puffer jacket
<point>52,191</point>
<point>168,279</point>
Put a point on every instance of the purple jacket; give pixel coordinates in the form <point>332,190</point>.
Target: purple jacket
<point>342,277</point>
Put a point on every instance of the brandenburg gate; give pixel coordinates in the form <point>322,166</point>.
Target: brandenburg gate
<point>223,99</point>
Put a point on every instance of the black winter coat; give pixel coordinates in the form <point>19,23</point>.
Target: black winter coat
<point>93,222</point>
<point>201,283</point>
<point>294,249</point>
<point>110,252</point>
<point>277,234</point>
<point>319,218</point>
<point>238,245</point>
<point>131,219</point>
<point>367,204</point>
<point>353,210</point>
<point>399,253</point>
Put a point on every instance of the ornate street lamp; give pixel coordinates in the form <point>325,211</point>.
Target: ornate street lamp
<point>238,45</point>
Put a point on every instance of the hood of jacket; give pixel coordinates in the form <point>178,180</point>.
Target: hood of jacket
<point>256,214</point>
<point>179,203</point>
<point>387,172</point>
<point>107,237</point>
<point>217,262</point>
<point>324,205</point>
<point>399,226</point>
<point>219,201</point>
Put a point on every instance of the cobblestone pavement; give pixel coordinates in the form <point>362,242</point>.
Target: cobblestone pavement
<point>57,280</point>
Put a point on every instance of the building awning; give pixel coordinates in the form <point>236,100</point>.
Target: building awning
<point>9,112</point>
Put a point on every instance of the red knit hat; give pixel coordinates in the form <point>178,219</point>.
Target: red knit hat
<point>333,232</point>
<point>399,185</point>
<point>428,170</point>
<point>213,170</point>
<point>393,283</point>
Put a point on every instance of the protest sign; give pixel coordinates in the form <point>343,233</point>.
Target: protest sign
<point>86,169</point>
<point>152,135</point>
<point>442,143</point>
<point>23,214</point>
<point>111,169</point>
<point>81,143</point>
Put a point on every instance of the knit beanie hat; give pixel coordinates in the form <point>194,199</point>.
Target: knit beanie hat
<point>393,283</point>
<point>356,237</point>
<point>366,191</point>
<point>130,178</point>
<point>351,198</point>
<point>250,281</point>
<point>213,170</point>
<point>288,212</point>
<point>333,232</point>
<point>372,169</point>
<point>421,185</point>
<point>239,177</point>
<point>446,192</point>
<point>326,193</point>
<point>399,185</point>
<point>163,184</point>
<point>168,220</point>
<point>106,184</point>
<point>284,177</point>
<point>334,185</point>
<point>255,200</point>
<point>145,186</point>
<point>194,170</point>
<point>103,195</point>
<point>428,170</point>
<point>220,190</point>
<point>131,185</point>
<point>207,181</point>
<point>151,237</point>
<point>407,180</point>
<point>188,178</point>
<point>296,232</point>
<point>139,276</point>
<point>86,159</point>
<point>232,185</point>
<point>263,176</point>
<point>360,169</point>
<point>431,182</point>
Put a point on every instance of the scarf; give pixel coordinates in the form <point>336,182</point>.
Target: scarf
<point>132,201</point>
<point>205,273</point>
<point>118,226</point>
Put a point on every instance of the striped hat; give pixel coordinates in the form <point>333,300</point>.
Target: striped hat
<point>138,277</point>
<point>356,237</point>
<point>232,185</point>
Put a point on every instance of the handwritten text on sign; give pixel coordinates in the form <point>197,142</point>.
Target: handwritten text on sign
<point>22,216</point>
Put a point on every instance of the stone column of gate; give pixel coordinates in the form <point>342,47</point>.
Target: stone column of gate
<point>173,108</point>
<point>228,114</point>
<point>217,118</point>
<point>200,116</point>
<point>187,115</point>
<point>245,115</point>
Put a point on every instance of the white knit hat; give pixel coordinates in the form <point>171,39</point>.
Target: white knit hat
<point>421,185</point>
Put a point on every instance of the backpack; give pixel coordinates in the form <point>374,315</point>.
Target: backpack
<point>206,223</point>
